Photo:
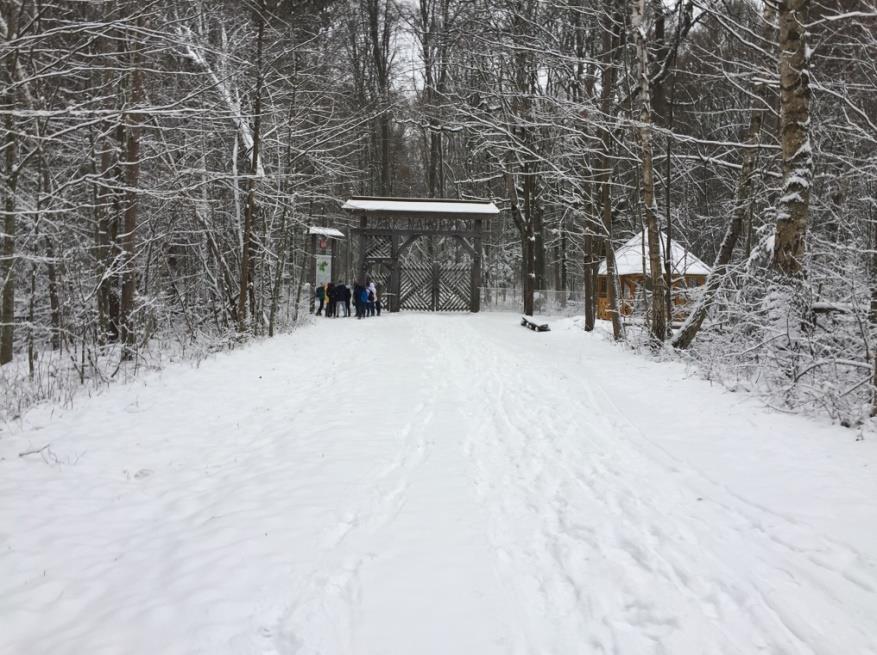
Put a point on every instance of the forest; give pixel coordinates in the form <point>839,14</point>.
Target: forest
<point>162,160</point>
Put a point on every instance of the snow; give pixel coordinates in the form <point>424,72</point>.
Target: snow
<point>326,232</point>
<point>434,484</point>
<point>629,258</point>
<point>421,206</point>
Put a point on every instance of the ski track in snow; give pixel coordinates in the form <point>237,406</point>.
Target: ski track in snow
<point>435,484</point>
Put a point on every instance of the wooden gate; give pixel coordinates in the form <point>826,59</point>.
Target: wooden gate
<point>436,288</point>
<point>388,227</point>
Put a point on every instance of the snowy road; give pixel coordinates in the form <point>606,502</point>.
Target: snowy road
<point>435,484</point>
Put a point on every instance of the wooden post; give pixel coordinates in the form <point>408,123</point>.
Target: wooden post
<point>348,257</point>
<point>363,241</point>
<point>333,269</point>
<point>395,275</point>
<point>312,270</point>
<point>436,286</point>
<point>475,291</point>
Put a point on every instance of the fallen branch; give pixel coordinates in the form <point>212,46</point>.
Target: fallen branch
<point>36,451</point>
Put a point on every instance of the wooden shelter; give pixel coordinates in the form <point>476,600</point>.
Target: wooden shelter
<point>389,226</point>
<point>634,275</point>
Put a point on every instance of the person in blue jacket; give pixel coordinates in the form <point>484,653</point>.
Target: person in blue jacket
<point>362,296</point>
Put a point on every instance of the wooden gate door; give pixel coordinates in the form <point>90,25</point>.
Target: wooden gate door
<point>415,292</point>
<point>435,288</point>
<point>454,288</point>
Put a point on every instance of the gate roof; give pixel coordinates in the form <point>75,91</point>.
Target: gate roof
<point>436,207</point>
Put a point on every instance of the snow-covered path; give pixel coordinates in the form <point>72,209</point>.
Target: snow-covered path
<point>435,484</point>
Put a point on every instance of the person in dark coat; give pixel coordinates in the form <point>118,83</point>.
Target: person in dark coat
<point>320,294</point>
<point>356,289</point>
<point>347,295</point>
<point>341,294</point>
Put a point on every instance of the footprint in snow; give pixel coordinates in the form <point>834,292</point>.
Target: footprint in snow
<point>139,475</point>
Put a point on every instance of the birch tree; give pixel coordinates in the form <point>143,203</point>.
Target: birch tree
<point>794,203</point>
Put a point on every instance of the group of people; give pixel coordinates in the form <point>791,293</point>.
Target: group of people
<point>335,299</point>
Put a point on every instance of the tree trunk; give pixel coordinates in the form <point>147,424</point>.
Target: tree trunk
<point>650,207</point>
<point>7,261</point>
<point>668,246</point>
<point>611,272</point>
<point>379,34</point>
<point>54,300</point>
<point>433,25</point>
<point>10,145</point>
<point>102,219</point>
<point>872,318</point>
<point>588,283</point>
<point>529,268</point>
<point>278,277</point>
<point>386,179</point>
<point>793,205</point>
<point>247,254</point>
<point>306,258</point>
<point>132,177</point>
<point>590,260</point>
<point>563,281</point>
<point>610,43</point>
<point>536,219</point>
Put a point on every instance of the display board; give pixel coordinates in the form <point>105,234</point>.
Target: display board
<point>324,269</point>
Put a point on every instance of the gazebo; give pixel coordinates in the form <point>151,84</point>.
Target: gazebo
<point>387,227</point>
<point>632,266</point>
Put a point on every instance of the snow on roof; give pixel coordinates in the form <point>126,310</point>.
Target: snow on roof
<point>629,258</point>
<point>326,232</point>
<point>421,206</point>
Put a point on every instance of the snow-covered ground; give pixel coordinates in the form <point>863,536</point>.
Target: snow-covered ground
<point>448,484</point>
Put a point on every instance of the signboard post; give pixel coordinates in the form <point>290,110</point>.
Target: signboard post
<point>322,255</point>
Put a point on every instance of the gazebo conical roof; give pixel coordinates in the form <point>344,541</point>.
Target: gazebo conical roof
<point>629,258</point>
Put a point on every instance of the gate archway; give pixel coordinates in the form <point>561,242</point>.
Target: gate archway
<point>388,227</point>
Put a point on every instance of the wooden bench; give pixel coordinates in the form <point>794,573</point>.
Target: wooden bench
<point>535,323</point>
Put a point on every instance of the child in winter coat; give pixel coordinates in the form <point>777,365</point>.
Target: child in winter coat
<point>372,297</point>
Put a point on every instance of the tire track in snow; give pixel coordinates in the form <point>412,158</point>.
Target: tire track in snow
<point>754,520</point>
<point>324,618</point>
<point>519,556</point>
<point>543,467</point>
